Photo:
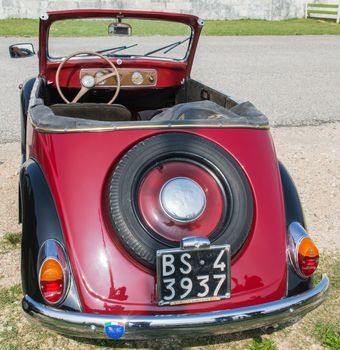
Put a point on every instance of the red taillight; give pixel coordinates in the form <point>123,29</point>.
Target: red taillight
<point>51,280</point>
<point>308,257</point>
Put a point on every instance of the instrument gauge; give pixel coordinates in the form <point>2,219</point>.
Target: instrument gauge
<point>137,78</point>
<point>100,74</point>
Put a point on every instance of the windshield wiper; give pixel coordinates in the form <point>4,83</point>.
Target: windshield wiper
<point>169,47</point>
<point>113,50</point>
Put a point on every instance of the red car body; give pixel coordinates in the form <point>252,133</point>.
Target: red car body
<point>77,166</point>
<point>88,236</point>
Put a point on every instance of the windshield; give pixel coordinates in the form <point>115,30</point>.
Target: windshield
<point>147,38</point>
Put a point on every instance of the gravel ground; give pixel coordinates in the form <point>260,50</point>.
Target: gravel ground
<point>312,157</point>
<point>9,168</point>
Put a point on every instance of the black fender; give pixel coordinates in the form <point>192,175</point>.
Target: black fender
<point>25,95</point>
<point>24,102</point>
<point>40,222</point>
<point>293,212</point>
<point>293,207</point>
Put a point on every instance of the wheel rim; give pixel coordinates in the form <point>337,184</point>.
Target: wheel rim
<point>203,221</point>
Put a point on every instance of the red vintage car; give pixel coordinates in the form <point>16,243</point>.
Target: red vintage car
<point>151,204</point>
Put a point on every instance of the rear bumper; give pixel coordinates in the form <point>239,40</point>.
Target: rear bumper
<point>220,322</point>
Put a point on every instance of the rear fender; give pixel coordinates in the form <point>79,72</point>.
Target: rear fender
<point>293,207</point>
<point>24,101</point>
<point>40,222</point>
<point>293,212</point>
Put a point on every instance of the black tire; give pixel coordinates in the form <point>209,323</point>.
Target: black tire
<point>136,237</point>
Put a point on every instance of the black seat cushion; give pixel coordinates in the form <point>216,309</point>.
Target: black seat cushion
<point>94,111</point>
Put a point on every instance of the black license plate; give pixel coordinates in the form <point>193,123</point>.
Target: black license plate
<point>193,275</point>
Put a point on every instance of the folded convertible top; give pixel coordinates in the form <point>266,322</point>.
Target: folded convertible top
<point>243,113</point>
<point>191,114</point>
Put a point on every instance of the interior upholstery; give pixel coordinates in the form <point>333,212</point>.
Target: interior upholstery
<point>93,111</point>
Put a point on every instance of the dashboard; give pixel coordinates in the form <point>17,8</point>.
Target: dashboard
<point>129,77</point>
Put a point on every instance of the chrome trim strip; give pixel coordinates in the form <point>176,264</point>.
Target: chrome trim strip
<point>218,322</point>
<point>140,126</point>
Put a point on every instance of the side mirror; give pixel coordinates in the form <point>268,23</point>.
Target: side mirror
<point>21,50</point>
<point>120,28</point>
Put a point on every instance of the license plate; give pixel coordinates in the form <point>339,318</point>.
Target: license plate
<point>193,275</point>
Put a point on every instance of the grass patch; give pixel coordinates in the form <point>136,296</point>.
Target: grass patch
<point>262,344</point>
<point>10,241</point>
<point>91,28</point>
<point>326,326</point>
<point>13,238</point>
<point>331,266</point>
<point>19,334</point>
<point>263,27</point>
<point>328,334</point>
<point>10,295</point>
<point>7,334</point>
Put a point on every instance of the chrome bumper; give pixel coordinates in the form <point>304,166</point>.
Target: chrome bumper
<point>219,322</point>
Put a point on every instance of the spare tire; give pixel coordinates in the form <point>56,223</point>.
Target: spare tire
<point>178,167</point>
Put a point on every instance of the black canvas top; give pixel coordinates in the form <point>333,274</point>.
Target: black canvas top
<point>195,114</point>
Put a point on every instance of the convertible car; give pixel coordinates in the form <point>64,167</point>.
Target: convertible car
<point>151,204</point>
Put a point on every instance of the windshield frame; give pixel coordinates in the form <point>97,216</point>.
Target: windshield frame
<point>189,38</point>
<point>46,64</point>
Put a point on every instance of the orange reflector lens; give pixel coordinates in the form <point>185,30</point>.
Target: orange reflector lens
<point>308,257</point>
<point>51,280</point>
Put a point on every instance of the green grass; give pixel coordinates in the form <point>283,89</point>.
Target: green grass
<point>327,326</point>
<point>328,334</point>
<point>262,27</point>
<point>7,335</point>
<point>262,344</point>
<point>331,266</point>
<point>13,238</point>
<point>10,295</point>
<point>10,241</point>
<point>88,28</point>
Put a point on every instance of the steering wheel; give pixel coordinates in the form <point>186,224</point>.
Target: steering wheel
<point>88,82</point>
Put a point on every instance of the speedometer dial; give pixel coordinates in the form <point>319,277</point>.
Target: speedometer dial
<point>100,74</point>
<point>137,78</point>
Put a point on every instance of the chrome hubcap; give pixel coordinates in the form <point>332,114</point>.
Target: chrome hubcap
<point>182,199</point>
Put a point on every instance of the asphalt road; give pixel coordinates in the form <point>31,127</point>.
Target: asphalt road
<point>293,80</point>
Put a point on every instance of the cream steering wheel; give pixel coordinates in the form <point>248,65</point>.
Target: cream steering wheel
<point>88,82</point>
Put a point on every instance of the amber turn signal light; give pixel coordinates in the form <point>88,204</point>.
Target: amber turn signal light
<point>308,257</point>
<point>51,280</point>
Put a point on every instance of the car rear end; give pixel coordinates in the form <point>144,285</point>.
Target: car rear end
<point>177,228</point>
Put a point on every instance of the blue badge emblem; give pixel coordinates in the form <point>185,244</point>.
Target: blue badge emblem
<point>114,330</point>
